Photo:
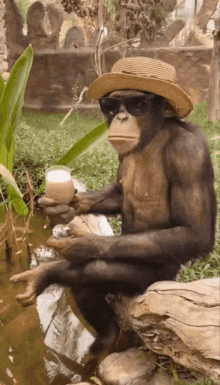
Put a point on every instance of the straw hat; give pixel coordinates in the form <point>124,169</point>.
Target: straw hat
<point>144,74</point>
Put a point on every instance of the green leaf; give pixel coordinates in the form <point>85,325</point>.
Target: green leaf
<point>84,143</point>
<point>2,86</point>
<point>10,96</point>
<point>2,209</point>
<point>17,111</point>
<point>4,155</point>
<point>17,202</point>
<point>10,155</point>
<point>95,144</point>
<point>12,102</point>
<point>9,179</point>
<point>13,191</point>
<point>90,140</point>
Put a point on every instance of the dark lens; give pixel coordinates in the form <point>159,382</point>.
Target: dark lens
<point>136,105</point>
<point>109,106</point>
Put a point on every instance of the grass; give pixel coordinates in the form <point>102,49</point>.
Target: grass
<point>40,142</point>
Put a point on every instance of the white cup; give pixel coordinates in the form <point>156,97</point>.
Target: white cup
<point>59,185</point>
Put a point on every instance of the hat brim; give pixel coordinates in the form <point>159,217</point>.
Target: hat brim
<point>178,99</point>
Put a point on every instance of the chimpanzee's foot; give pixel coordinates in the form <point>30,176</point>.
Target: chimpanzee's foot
<point>30,277</point>
<point>37,281</point>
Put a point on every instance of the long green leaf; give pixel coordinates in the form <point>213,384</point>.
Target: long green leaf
<point>9,179</point>
<point>13,99</point>
<point>2,209</point>
<point>93,145</point>
<point>83,143</point>
<point>3,154</point>
<point>13,191</point>
<point>10,155</point>
<point>18,108</point>
<point>10,96</point>
<point>2,86</point>
<point>17,202</point>
<point>10,111</point>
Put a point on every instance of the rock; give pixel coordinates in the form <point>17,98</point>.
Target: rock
<point>5,76</point>
<point>180,320</point>
<point>131,367</point>
<point>169,34</point>
<point>56,20</point>
<point>16,42</point>
<point>5,66</point>
<point>196,37</point>
<point>74,38</point>
<point>37,34</point>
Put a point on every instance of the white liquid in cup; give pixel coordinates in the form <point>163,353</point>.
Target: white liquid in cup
<point>59,186</point>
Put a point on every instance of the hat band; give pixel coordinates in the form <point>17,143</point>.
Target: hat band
<point>144,76</point>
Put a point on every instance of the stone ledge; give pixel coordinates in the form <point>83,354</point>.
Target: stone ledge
<point>83,109</point>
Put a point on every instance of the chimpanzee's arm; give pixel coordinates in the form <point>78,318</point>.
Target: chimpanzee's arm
<point>193,210</point>
<point>108,201</point>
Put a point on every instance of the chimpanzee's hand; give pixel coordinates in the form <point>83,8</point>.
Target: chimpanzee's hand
<point>81,248</point>
<point>35,280</point>
<point>82,202</point>
<point>57,213</point>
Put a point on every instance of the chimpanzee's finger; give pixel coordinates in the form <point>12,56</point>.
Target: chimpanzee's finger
<point>25,300</point>
<point>46,201</point>
<point>60,243</point>
<point>29,293</point>
<point>21,277</point>
<point>77,231</point>
<point>76,198</point>
<point>56,210</point>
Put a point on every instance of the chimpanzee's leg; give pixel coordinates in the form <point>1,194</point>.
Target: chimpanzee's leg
<point>92,304</point>
<point>98,278</point>
<point>90,283</point>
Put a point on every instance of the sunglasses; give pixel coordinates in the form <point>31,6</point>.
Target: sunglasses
<point>135,105</point>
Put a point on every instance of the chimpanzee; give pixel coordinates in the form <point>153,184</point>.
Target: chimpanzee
<point>164,192</point>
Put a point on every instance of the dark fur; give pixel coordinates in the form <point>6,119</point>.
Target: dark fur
<point>150,249</point>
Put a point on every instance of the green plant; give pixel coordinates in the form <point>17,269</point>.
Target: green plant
<point>11,102</point>
<point>110,4</point>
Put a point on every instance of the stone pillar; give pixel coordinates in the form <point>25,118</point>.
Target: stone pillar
<point>3,49</point>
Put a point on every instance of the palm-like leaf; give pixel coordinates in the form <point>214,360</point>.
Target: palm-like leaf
<point>11,102</point>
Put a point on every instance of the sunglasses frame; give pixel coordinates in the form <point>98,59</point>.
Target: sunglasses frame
<point>128,102</point>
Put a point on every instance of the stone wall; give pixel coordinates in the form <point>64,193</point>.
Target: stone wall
<point>59,74</point>
<point>57,77</point>
<point>192,65</point>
